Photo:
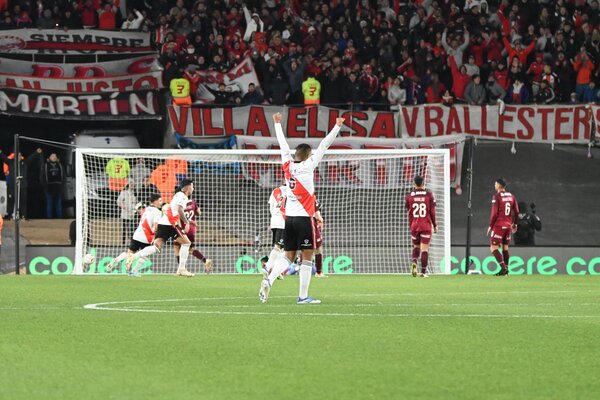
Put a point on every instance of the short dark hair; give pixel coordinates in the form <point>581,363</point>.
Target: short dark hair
<point>185,182</point>
<point>154,197</point>
<point>418,180</point>
<point>303,150</point>
<point>501,182</point>
<point>264,259</point>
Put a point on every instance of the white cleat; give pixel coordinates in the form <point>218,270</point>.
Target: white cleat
<point>184,272</point>
<point>423,275</point>
<point>263,293</point>
<point>321,275</point>
<point>208,266</point>
<point>308,300</point>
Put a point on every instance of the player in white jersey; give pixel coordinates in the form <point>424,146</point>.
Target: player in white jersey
<point>277,209</point>
<point>299,208</point>
<point>144,234</point>
<point>170,226</point>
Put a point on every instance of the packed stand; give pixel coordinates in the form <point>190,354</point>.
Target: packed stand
<point>378,55</point>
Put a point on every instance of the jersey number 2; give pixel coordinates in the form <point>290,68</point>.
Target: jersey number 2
<point>419,210</point>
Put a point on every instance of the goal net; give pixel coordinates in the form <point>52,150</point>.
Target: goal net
<point>362,195</point>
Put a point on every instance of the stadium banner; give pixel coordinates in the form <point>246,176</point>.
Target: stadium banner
<point>382,174</point>
<point>59,260</point>
<point>151,80</point>
<point>135,65</point>
<point>301,122</point>
<point>537,260</point>
<point>596,113</point>
<point>561,124</point>
<point>76,41</point>
<point>95,106</point>
<point>236,80</point>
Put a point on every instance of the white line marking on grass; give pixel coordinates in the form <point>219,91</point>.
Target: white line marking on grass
<point>109,306</point>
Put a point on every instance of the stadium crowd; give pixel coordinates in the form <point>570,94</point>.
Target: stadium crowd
<point>371,53</point>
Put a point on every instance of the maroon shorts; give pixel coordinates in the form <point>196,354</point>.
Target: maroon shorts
<point>318,237</point>
<point>500,235</point>
<point>192,235</point>
<point>419,237</point>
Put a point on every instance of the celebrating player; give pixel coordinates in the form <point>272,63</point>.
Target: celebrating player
<point>170,226</point>
<point>191,212</point>
<point>144,234</point>
<point>299,208</point>
<point>277,209</point>
<point>319,225</point>
<point>420,205</point>
<point>503,221</point>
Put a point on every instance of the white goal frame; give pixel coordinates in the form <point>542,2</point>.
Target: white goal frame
<point>176,153</point>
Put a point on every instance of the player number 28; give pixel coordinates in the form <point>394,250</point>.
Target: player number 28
<point>419,210</point>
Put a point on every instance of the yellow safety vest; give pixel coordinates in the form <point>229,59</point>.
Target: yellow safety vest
<point>180,87</point>
<point>311,88</point>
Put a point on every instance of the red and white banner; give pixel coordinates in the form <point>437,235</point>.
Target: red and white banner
<point>298,122</point>
<point>236,80</point>
<point>525,123</point>
<point>127,83</point>
<point>135,65</point>
<point>596,113</point>
<point>381,173</point>
<point>109,106</point>
<point>534,124</point>
<point>84,41</point>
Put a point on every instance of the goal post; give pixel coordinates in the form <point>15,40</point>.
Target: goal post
<point>362,194</point>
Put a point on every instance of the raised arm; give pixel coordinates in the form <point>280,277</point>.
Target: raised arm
<point>325,143</point>
<point>286,154</point>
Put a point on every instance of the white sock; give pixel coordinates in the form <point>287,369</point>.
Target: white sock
<point>183,256</point>
<point>305,275</point>
<point>138,263</point>
<point>145,252</point>
<point>281,264</point>
<point>120,258</point>
<point>273,256</point>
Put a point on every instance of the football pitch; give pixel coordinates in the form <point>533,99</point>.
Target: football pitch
<point>374,337</point>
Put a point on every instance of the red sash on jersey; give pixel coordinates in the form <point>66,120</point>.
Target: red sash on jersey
<point>173,219</point>
<point>147,230</point>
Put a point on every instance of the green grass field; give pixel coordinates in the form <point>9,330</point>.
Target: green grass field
<point>374,337</point>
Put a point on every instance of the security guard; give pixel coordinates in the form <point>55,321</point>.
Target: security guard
<point>527,224</point>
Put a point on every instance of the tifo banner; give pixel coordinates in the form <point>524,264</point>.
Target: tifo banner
<point>105,105</point>
<point>379,175</point>
<point>297,122</point>
<point>54,41</point>
<point>134,65</point>
<point>151,80</point>
<point>535,124</point>
<point>524,123</point>
<point>236,80</point>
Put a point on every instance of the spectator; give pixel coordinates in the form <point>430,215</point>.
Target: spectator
<point>545,94</point>
<point>180,91</point>
<point>517,51</point>
<point>475,91</point>
<point>192,75</point>
<point>435,89</point>
<point>222,96</point>
<point>351,89</point>
<point>53,184</point>
<point>493,90</point>
<point>369,84</point>
<point>396,94</point>
<point>517,92</point>
<point>252,96</point>
<point>46,21</point>
<point>138,175</point>
<point>584,68</point>
<point>471,68</point>
<point>253,24</point>
<point>460,79</point>
<point>591,94</point>
<point>455,50</point>
<point>134,21</point>
<point>295,74</point>
<point>278,91</point>
<point>107,17</point>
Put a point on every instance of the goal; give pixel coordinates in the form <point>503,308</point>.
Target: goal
<point>362,194</point>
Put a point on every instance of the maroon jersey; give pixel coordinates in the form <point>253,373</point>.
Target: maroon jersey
<point>191,210</point>
<point>504,210</point>
<point>420,205</point>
